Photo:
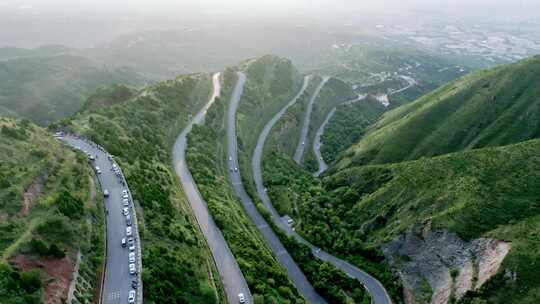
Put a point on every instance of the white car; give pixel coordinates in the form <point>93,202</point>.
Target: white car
<point>241,298</point>
<point>98,170</point>
<point>131,296</point>
<point>235,169</point>
<point>132,269</point>
<point>126,202</point>
<point>125,211</point>
<point>125,196</point>
<point>129,231</point>
<point>132,257</point>
<point>131,243</point>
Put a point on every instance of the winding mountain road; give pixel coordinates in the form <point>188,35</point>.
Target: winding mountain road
<point>229,271</point>
<point>378,294</point>
<point>284,258</point>
<point>305,126</point>
<point>117,280</point>
<point>317,141</point>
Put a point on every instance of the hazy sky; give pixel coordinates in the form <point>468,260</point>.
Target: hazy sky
<point>87,22</point>
<point>277,7</point>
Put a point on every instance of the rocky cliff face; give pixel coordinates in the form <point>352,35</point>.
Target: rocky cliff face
<point>436,265</point>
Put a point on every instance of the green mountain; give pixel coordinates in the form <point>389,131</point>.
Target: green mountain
<point>50,210</point>
<point>493,107</point>
<point>45,88</point>
<point>468,220</point>
<point>7,53</point>
<point>444,190</point>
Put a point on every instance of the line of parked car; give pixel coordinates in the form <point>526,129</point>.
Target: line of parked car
<point>128,241</point>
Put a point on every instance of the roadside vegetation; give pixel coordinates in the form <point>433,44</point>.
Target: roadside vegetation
<point>333,93</point>
<point>50,211</point>
<point>139,132</point>
<point>271,83</point>
<point>292,191</point>
<point>329,282</point>
<point>291,123</point>
<point>208,163</point>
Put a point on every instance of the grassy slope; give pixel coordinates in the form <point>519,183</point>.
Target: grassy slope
<point>62,213</point>
<point>48,88</point>
<point>268,282</point>
<point>485,192</point>
<point>140,132</point>
<point>347,126</point>
<point>487,108</point>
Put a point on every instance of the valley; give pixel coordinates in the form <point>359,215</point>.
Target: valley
<point>345,156</point>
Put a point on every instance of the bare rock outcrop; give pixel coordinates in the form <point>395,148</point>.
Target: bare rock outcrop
<point>435,265</point>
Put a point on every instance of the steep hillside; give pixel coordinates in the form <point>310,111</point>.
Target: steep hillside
<point>140,132</point>
<point>50,212</point>
<point>488,108</point>
<point>446,223</point>
<point>349,123</point>
<point>47,88</point>
<point>271,83</point>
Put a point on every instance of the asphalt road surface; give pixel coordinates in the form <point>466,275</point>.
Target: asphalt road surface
<point>374,287</point>
<point>117,283</point>
<point>317,141</point>
<point>229,271</point>
<point>295,274</point>
<point>305,126</point>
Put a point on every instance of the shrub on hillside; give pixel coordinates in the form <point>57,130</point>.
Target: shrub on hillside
<point>69,205</point>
